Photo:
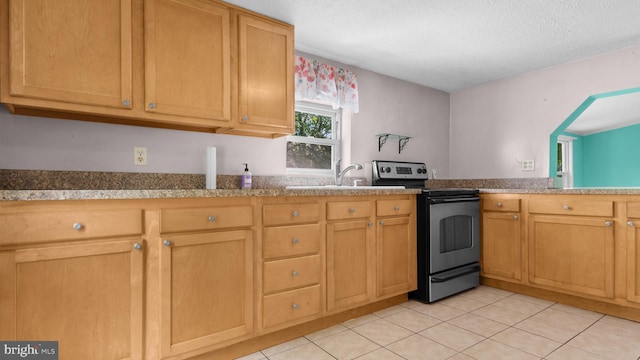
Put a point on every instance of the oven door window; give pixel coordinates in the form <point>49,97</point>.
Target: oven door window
<point>454,232</point>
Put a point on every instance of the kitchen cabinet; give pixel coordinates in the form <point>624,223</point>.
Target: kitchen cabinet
<point>70,52</point>
<point>63,272</point>
<point>351,259</point>
<point>206,276</point>
<point>501,245</point>
<point>187,59</point>
<point>396,246</point>
<point>265,77</point>
<point>181,64</point>
<point>292,257</point>
<point>633,251</point>
<point>572,251</point>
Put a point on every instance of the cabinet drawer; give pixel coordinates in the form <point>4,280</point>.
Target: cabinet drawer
<point>290,240</point>
<point>291,305</point>
<point>206,218</point>
<point>393,207</point>
<point>291,273</point>
<point>348,210</point>
<point>506,205</point>
<point>285,214</point>
<point>633,209</point>
<point>571,206</point>
<point>69,225</point>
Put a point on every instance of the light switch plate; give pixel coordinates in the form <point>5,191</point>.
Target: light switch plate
<point>528,165</point>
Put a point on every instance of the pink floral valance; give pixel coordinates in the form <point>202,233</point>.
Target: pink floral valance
<point>317,81</point>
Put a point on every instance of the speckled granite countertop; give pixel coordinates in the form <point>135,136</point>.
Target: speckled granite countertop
<point>574,191</point>
<point>18,195</point>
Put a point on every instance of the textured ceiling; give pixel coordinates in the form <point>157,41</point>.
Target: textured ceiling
<point>455,44</point>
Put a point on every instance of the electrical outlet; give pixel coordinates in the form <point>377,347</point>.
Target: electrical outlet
<point>139,156</point>
<point>528,165</point>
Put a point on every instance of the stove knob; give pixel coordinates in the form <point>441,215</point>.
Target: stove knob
<point>387,169</point>
<point>381,169</point>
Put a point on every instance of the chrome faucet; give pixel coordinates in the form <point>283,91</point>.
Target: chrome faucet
<point>340,174</point>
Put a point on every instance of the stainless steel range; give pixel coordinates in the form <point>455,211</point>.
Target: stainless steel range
<point>448,231</point>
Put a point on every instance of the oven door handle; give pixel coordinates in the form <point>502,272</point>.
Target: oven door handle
<point>454,200</point>
<point>470,271</point>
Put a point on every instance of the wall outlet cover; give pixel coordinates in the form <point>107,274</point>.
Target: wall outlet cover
<point>528,165</point>
<point>140,155</point>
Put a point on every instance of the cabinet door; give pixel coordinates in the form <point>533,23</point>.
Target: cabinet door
<point>71,51</point>
<point>501,246</point>
<point>397,258</point>
<point>350,264</point>
<point>571,253</point>
<point>187,57</point>
<point>206,289</point>
<point>633,261</point>
<point>265,62</point>
<point>88,297</point>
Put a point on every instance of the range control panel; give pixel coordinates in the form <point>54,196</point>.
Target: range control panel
<point>393,170</point>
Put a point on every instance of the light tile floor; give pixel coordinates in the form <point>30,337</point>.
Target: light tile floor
<point>483,323</point>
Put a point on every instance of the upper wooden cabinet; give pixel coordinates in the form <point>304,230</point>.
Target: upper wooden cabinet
<point>265,76</point>
<point>187,59</point>
<point>183,64</point>
<point>71,51</point>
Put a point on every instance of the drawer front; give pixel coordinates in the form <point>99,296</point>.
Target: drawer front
<point>571,206</point>
<point>506,205</point>
<point>290,240</point>
<point>633,209</point>
<point>206,218</point>
<point>394,207</point>
<point>69,225</point>
<point>287,274</point>
<point>348,210</point>
<point>291,305</point>
<point>287,214</point>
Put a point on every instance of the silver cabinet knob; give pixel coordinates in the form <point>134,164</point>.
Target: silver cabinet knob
<point>515,217</point>
<point>294,273</point>
<point>369,223</point>
<point>211,218</point>
<point>566,207</point>
<point>607,223</point>
<point>499,204</point>
<point>245,118</point>
<point>166,243</point>
<point>295,240</point>
<point>396,208</point>
<point>137,246</point>
<point>126,103</point>
<point>77,226</point>
<point>381,222</point>
<point>152,105</point>
<point>352,210</point>
<point>295,306</point>
<point>295,213</point>
<point>630,223</point>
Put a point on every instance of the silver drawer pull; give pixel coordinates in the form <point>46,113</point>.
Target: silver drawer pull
<point>630,223</point>
<point>295,240</point>
<point>369,223</point>
<point>166,243</point>
<point>381,222</point>
<point>396,208</point>
<point>566,207</point>
<point>499,204</point>
<point>607,223</point>
<point>295,213</point>
<point>211,218</point>
<point>295,273</point>
<point>515,217</point>
<point>295,306</point>
<point>352,210</point>
<point>137,246</point>
<point>77,226</point>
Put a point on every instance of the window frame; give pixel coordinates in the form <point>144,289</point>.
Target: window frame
<point>335,142</point>
<point>566,153</point>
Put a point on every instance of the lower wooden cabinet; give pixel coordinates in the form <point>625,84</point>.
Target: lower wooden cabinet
<point>501,246</point>
<point>206,289</point>
<point>633,260</point>
<point>88,296</point>
<point>396,256</point>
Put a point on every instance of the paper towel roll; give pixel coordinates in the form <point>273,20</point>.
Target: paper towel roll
<point>211,167</point>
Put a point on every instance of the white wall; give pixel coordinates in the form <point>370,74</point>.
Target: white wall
<point>495,124</point>
<point>386,105</point>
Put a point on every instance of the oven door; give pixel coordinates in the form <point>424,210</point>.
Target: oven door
<point>454,233</point>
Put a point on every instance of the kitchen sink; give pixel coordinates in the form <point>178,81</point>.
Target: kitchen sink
<point>336,187</point>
